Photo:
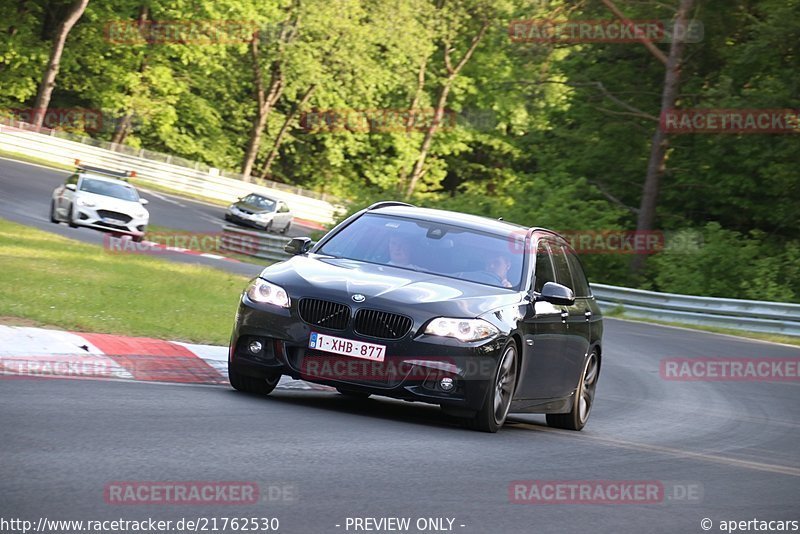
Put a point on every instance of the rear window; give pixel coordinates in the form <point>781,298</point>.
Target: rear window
<point>430,247</point>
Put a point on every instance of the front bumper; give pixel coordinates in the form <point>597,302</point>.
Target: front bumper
<point>117,222</point>
<point>412,369</point>
<point>245,219</point>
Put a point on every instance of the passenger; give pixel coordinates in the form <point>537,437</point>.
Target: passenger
<point>400,252</point>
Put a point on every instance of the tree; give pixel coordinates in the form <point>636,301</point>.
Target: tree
<point>48,82</point>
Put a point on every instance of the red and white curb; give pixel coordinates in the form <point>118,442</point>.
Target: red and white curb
<point>40,353</point>
<point>189,251</point>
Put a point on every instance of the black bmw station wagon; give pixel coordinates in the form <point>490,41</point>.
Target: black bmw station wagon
<point>480,316</point>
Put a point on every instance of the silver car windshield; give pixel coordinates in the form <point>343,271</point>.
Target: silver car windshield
<point>109,189</point>
<point>259,201</point>
<point>431,247</point>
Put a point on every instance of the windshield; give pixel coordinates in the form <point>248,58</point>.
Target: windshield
<point>430,247</point>
<point>109,189</point>
<point>263,203</point>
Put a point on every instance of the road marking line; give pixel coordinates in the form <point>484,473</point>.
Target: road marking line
<point>669,451</point>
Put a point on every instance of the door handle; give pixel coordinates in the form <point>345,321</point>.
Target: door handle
<point>564,316</point>
<point>588,314</point>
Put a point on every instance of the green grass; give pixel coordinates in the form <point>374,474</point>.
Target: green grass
<point>53,281</point>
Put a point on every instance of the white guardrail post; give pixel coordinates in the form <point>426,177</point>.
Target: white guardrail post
<point>751,315</point>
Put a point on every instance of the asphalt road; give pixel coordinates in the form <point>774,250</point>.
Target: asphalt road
<point>733,445</point>
<point>26,189</point>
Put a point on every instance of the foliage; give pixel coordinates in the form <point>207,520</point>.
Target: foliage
<point>546,134</point>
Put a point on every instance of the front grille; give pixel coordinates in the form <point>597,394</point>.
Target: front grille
<point>112,226</point>
<point>346,369</point>
<point>380,324</point>
<point>324,313</point>
<point>106,214</point>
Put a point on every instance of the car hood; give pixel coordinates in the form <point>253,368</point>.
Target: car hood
<point>386,287</point>
<point>105,202</point>
<point>251,207</point>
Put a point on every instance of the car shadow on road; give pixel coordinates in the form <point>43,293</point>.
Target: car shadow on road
<point>382,408</point>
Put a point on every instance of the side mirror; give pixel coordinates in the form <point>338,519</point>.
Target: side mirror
<point>71,187</point>
<point>298,245</point>
<point>557,294</point>
<point>144,201</point>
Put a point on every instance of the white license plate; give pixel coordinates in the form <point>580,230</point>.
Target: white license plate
<point>114,221</point>
<point>347,347</point>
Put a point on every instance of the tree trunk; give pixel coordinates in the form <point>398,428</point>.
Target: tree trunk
<point>658,151</point>
<point>273,153</point>
<point>429,133</point>
<point>122,128</point>
<point>403,177</point>
<point>54,63</point>
<point>452,73</point>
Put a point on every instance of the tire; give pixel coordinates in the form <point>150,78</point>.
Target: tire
<point>137,238</point>
<point>494,411</point>
<point>70,221</point>
<point>250,384</point>
<point>577,418</point>
<point>354,394</point>
<point>286,228</point>
<point>268,227</point>
<point>53,212</point>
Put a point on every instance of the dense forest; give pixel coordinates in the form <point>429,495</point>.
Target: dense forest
<point>457,104</point>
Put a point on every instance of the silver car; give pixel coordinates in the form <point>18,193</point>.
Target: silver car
<point>261,212</point>
<point>100,199</point>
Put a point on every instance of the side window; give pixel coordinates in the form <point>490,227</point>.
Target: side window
<point>544,267</point>
<point>283,208</point>
<point>72,179</point>
<point>578,276</point>
<point>561,264</point>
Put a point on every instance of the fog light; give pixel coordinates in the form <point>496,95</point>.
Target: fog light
<point>254,347</point>
<point>447,384</point>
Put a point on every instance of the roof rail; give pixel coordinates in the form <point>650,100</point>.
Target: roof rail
<point>124,175</point>
<point>387,203</point>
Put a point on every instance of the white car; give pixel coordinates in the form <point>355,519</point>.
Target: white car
<point>98,199</point>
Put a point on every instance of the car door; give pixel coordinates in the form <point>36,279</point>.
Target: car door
<point>65,196</point>
<point>578,332</point>
<point>546,327</point>
<point>284,215</point>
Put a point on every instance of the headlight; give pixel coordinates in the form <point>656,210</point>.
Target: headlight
<point>86,203</point>
<point>461,329</point>
<point>262,291</point>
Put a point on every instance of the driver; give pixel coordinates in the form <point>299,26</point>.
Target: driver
<point>499,266</point>
<point>400,252</point>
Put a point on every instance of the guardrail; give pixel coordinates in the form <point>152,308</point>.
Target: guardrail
<point>201,180</point>
<point>748,315</point>
<point>254,243</point>
<point>751,315</point>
